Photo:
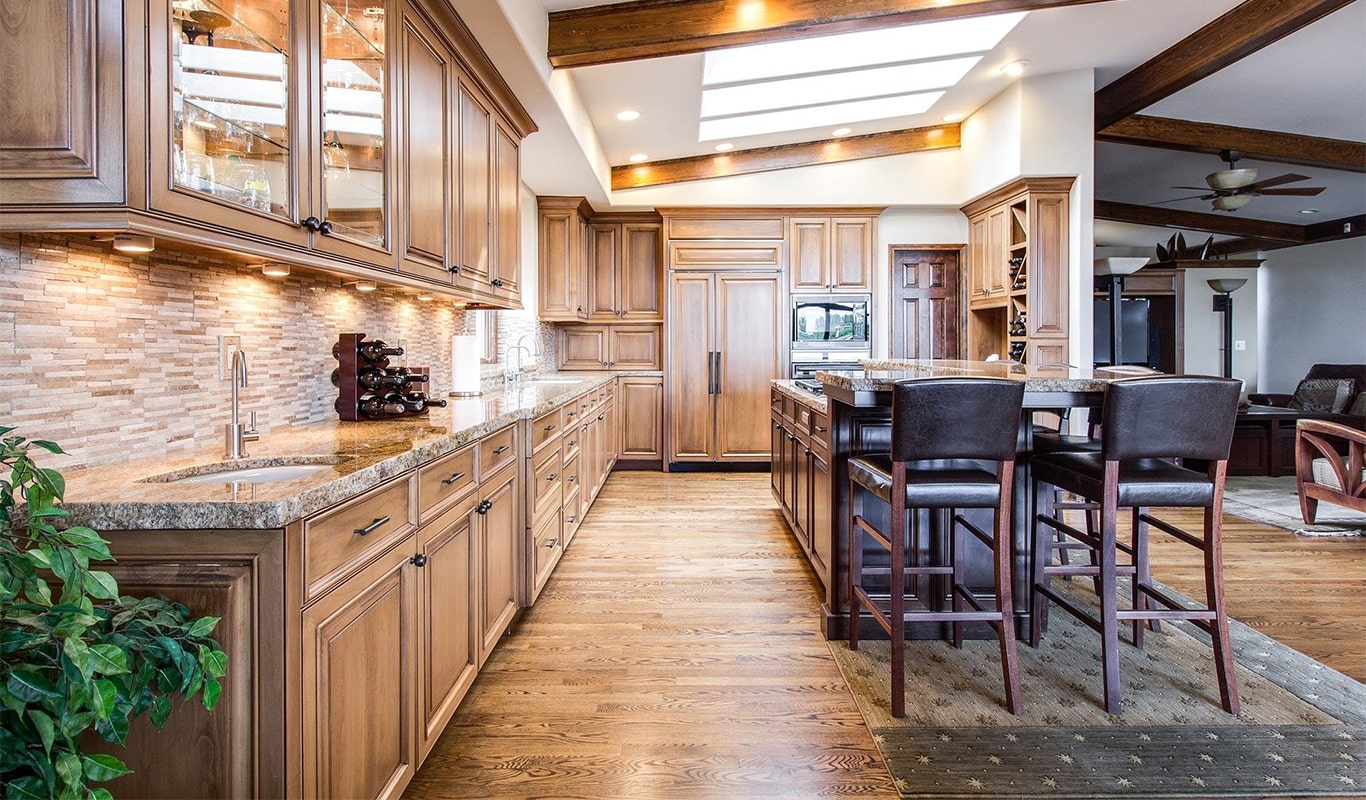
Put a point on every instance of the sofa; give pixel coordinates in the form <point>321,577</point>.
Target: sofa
<point>1264,437</point>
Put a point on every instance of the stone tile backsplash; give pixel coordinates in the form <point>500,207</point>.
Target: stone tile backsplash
<point>116,356</point>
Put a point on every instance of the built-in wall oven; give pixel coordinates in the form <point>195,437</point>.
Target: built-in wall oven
<point>830,322</point>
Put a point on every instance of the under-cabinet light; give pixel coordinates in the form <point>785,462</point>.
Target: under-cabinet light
<point>134,243</point>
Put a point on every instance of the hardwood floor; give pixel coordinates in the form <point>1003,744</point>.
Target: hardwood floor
<point>675,653</point>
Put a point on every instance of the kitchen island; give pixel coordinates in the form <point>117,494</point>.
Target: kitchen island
<point>859,409</point>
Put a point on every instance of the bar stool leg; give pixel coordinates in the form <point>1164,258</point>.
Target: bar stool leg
<point>1003,552</point>
<point>1043,554</point>
<point>1214,598</point>
<point>956,559</point>
<point>855,561</point>
<point>896,584</point>
<point>1142,575</point>
<point>1109,602</point>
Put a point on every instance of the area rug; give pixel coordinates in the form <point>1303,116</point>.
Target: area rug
<point>1276,501</point>
<point>1301,733</point>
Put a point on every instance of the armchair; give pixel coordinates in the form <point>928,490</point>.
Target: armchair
<point>1323,472</point>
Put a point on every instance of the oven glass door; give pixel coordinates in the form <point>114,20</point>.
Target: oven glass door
<point>829,322</point>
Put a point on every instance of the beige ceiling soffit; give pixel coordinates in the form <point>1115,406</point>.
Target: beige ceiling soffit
<point>1259,145</point>
<point>606,34</point>
<point>1197,221</point>
<point>785,156</point>
<point>1241,32</point>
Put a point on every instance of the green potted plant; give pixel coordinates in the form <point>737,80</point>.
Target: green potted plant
<point>74,655</point>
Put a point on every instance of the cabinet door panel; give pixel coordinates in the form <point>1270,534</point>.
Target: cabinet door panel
<point>426,151</point>
<point>603,264</point>
<point>61,116</point>
<point>449,657</point>
<point>358,677</point>
<point>1048,276</point>
<point>852,267</point>
<point>583,347</point>
<point>749,324</point>
<point>559,280</point>
<point>997,256</point>
<point>507,217</point>
<point>638,281</point>
<point>476,176</point>
<point>691,404</point>
<point>634,347</point>
<point>499,575</point>
<point>642,409</point>
<point>810,265</point>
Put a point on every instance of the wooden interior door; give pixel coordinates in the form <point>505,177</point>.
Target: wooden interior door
<point>749,328</point>
<point>925,315</point>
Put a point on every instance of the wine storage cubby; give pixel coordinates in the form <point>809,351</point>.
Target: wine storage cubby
<point>370,388</point>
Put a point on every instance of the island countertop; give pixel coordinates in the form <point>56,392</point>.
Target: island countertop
<point>880,375</point>
<point>136,494</point>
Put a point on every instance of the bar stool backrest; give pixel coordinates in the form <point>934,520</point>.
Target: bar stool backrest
<point>1181,416</point>
<point>945,418</point>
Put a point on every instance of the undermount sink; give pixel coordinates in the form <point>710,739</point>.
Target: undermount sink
<point>263,470</point>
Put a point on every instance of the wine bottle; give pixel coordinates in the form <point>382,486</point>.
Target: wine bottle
<point>377,351</point>
<point>411,377</point>
<point>376,407</point>
<point>417,402</point>
<point>377,380</point>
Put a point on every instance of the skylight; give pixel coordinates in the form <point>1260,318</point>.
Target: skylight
<point>854,50</point>
<point>833,88</point>
<point>817,116</point>
<point>831,81</point>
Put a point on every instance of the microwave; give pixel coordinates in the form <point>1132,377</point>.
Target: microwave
<point>830,321</point>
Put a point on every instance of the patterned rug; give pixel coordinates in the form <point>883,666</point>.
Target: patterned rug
<point>1301,733</point>
<point>1276,501</point>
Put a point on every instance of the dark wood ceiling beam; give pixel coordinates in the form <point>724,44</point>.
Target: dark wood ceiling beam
<point>788,156</point>
<point>1244,30</point>
<point>1205,137</point>
<point>1332,230</point>
<point>1196,221</point>
<point>605,34</point>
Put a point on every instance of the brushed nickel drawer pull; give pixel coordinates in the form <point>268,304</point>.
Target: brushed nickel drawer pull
<point>553,476</point>
<point>550,427</point>
<point>501,450</point>
<point>452,479</point>
<point>372,527</point>
<point>550,545</point>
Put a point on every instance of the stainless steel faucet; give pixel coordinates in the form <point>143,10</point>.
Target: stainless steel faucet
<point>236,434</point>
<point>510,375</point>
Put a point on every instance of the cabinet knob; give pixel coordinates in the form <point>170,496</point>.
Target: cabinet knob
<point>311,223</point>
<point>496,282</point>
<point>419,560</point>
<point>483,508</point>
<point>454,269</point>
<point>325,227</point>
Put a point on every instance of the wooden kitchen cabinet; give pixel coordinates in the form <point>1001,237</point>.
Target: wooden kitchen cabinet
<point>427,130</point>
<point>562,236</point>
<point>640,406</point>
<point>505,276</point>
<point>624,272</point>
<point>598,347</point>
<point>729,343</point>
<point>801,480</point>
<point>448,657</point>
<point>831,254</point>
<point>358,682</point>
<point>497,533</point>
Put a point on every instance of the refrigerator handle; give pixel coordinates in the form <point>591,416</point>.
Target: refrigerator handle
<point>718,371</point>
<point>711,372</point>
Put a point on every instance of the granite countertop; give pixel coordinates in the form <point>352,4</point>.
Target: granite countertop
<point>358,456</point>
<point>814,402</point>
<point>879,375</point>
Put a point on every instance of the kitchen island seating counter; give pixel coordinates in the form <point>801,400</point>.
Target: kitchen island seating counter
<point>859,403</point>
<point>355,456</point>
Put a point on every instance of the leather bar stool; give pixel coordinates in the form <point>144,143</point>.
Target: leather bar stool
<point>1148,426</point>
<point>1060,441</point>
<point>953,447</point>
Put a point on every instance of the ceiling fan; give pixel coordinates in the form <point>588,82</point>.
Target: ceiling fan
<point>1232,188</point>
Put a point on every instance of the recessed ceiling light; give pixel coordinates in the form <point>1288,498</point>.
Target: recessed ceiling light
<point>639,157</point>
<point>860,49</point>
<point>1309,211</point>
<point>838,87</point>
<point>795,119</point>
<point>628,115</point>
<point>723,147</point>
<point>1015,68</point>
<point>841,131</point>
<point>953,117</point>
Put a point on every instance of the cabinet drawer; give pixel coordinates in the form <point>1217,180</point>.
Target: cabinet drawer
<point>569,445</point>
<point>820,432</point>
<point>720,255</point>
<point>571,414</point>
<point>443,480</point>
<point>545,428</point>
<point>547,546</point>
<point>341,541</point>
<point>573,513</point>
<point>497,449</point>
<point>725,228</point>
<point>571,472</point>
<point>546,479</point>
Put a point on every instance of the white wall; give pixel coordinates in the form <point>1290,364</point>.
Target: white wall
<point>1205,327</point>
<point>1312,310</point>
<point>990,147</point>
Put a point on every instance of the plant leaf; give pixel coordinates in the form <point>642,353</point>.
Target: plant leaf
<point>102,585</point>
<point>101,695</point>
<point>161,709</point>
<point>51,447</point>
<point>213,662</point>
<point>109,659</point>
<point>212,689</point>
<point>31,687</point>
<point>68,768</point>
<point>100,793</point>
<point>100,767</point>
<point>203,627</point>
<point>26,788</point>
<point>47,729</point>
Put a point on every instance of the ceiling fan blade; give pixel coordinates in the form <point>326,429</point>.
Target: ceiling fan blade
<point>1303,191</point>
<point>1289,177</point>
<point>1194,188</point>
<point>1179,199</point>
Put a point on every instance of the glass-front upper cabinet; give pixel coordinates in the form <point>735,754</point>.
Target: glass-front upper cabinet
<point>231,97</point>
<point>354,120</point>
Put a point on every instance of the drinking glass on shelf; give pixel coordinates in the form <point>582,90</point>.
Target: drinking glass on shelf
<point>199,173</point>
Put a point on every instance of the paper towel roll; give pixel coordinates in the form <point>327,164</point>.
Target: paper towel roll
<point>465,352</point>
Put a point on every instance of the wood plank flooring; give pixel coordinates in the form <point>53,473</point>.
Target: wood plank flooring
<point>676,653</point>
